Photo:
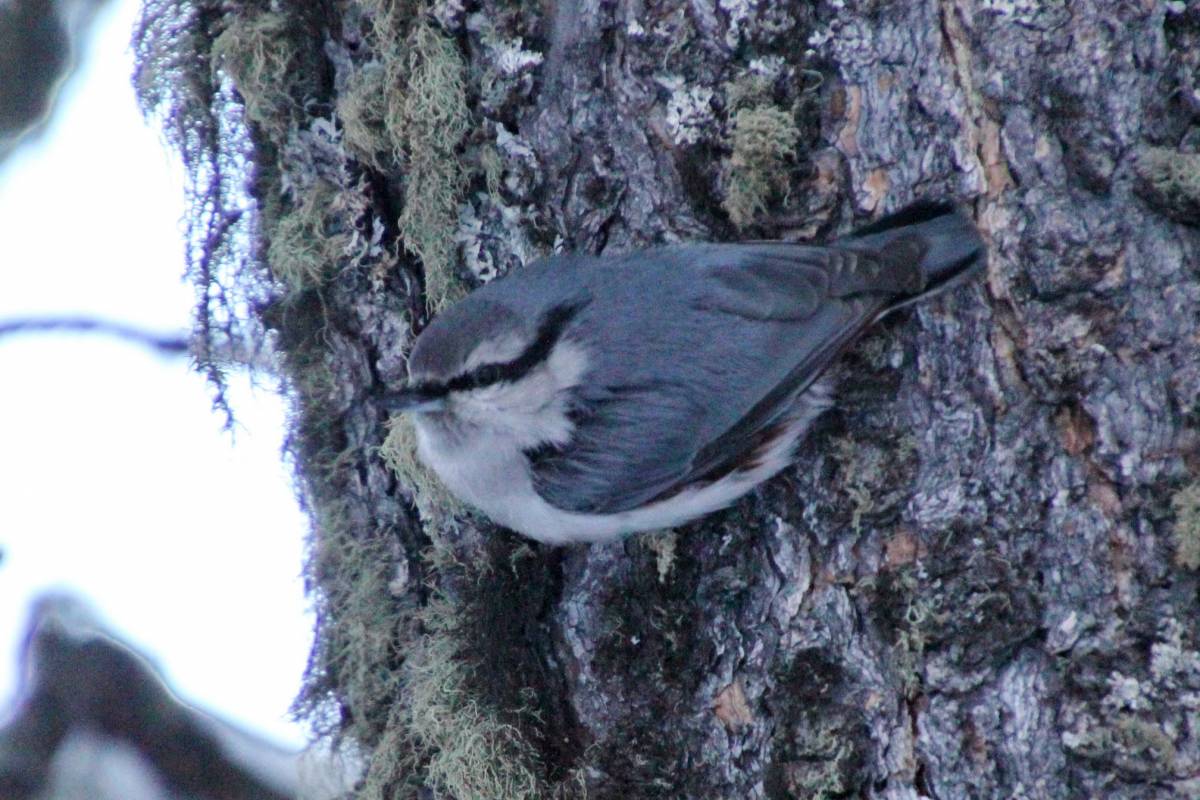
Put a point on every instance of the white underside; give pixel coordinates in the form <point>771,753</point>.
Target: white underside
<point>496,480</point>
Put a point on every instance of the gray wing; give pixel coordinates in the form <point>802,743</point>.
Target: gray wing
<point>757,325</point>
<point>610,464</point>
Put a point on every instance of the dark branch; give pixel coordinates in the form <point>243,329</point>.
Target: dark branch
<point>172,344</point>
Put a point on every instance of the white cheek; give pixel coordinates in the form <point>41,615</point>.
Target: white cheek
<point>567,365</point>
<point>495,351</point>
<point>532,411</point>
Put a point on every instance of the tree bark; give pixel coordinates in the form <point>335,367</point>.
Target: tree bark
<point>979,580</point>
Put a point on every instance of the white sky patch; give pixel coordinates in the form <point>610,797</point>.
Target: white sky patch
<point>116,480</point>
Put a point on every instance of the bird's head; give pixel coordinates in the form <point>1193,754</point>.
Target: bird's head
<point>483,364</point>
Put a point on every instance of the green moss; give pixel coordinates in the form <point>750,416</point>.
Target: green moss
<point>871,476</point>
<point>318,440</point>
<point>1170,181</point>
<point>1171,172</point>
<point>468,752</point>
<point>427,125</point>
<point>351,681</point>
<point>821,771</point>
<point>446,730</point>
<point>816,748</point>
<point>911,614</point>
<point>748,90</point>
<point>354,657</point>
<point>1186,504</point>
<point>1145,740</point>
<point>663,544</point>
<point>436,506</point>
<point>1132,743</point>
<point>362,108</point>
<point>763,139</point>
<point>862,468</point>
<point>409,105</point>
<point>474,718</point>
<point>259,53</point>
<point>492,164</point>
<point>308,241</point>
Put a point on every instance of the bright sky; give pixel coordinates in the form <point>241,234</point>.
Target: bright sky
<point>116,480</point>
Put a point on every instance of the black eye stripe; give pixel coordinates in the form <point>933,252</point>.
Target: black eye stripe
<point>549,331</point>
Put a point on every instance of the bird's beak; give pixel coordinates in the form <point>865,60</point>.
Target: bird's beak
<point>413,401</point>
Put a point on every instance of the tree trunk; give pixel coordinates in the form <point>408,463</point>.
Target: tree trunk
<point>979,580</point>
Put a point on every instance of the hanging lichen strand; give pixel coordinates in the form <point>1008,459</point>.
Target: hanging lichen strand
<point>176,87</point>
<point>427,126</point>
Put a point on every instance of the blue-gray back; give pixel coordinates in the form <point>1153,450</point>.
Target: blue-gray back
<point>696,352</point>
<point>703,345</point>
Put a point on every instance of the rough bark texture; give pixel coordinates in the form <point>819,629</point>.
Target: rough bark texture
<point>980,578</point>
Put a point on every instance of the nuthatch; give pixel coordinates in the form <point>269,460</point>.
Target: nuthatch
<point>583,398</point>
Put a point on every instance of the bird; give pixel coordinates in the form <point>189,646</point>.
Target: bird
<point>584,398</point>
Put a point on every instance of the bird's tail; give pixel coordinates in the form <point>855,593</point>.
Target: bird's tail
<point>949,246</point>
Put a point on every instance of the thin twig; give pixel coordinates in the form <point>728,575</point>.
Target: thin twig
<point>173,344</point>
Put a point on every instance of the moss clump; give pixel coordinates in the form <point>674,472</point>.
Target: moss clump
<point>428,125</point>
<point>361,108</point>
<point>815,755</point>
<point>433,500</point>
<point>410,104</point>
<point>867,471</point>
<point>306,242</point>
<point>492,164</point>
<point>474,717</point>
<point>1144,741</point>
<point>1170,181</point>
<point>822,769</point>
<point>913,615</point>
<point>911,639</point>
<point>354,657</point>
<point>862,468</point>
<point>1186,505</point>
<point>763,139</point>
<point>259,53</point>
<point>663,544</point>
<point>1133,744</point>
<point>749,90</point>
<point>462,748</point>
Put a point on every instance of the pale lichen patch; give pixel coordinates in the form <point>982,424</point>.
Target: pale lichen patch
<point>434,502</point>
<point>462,748</point>
<point>689,111</point>
<point>1186,505</point>
<point>764,139</point>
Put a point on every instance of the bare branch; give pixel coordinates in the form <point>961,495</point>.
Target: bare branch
<point>168,344</point>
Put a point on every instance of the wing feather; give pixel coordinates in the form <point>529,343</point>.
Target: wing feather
<point>765,322</point>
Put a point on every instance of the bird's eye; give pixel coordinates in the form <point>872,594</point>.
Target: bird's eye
<point>489,374</point>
